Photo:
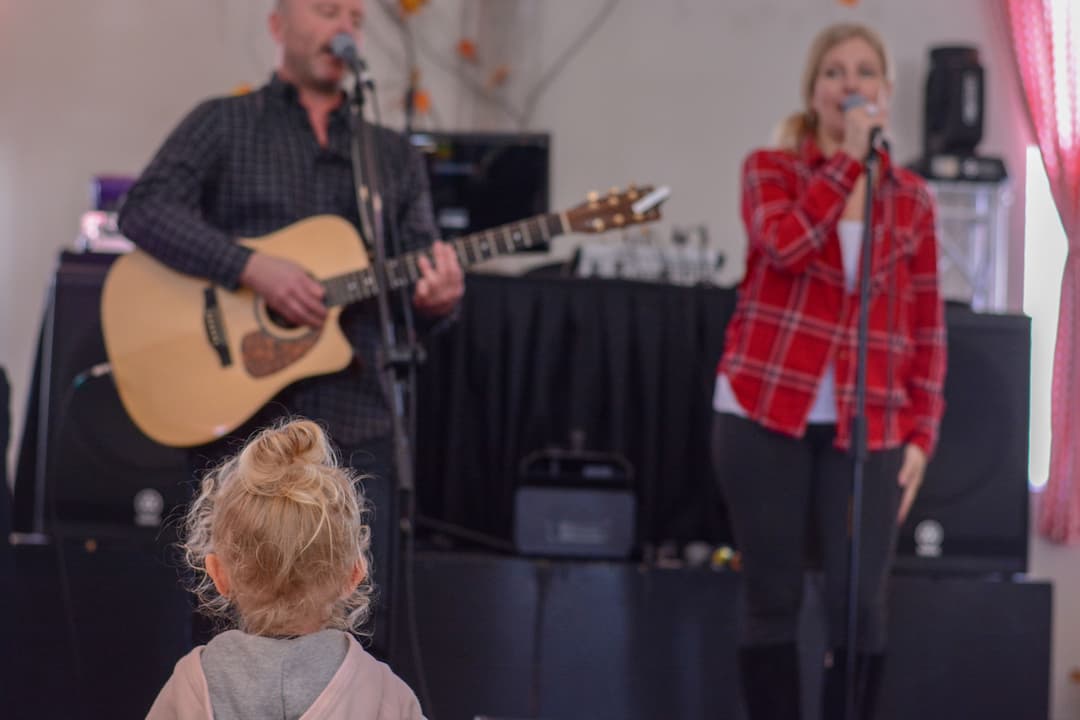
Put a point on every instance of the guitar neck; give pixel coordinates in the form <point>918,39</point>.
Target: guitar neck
<point>471,249</point>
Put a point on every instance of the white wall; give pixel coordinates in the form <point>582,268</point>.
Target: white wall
<point>671,91</point>
<point>678,91</point>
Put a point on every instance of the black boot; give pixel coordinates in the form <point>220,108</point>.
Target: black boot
<point>770,681</point>
<point>868,671</point>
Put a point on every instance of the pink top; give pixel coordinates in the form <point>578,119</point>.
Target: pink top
<point>362,688</point>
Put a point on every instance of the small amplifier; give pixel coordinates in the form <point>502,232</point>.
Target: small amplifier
<point>575,504</point>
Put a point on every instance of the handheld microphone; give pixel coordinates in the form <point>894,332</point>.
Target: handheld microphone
<point>851,102</point>
<point>877,134</point>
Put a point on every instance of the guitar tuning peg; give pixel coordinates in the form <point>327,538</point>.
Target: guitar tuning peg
<point>593,197</point>
<point>598,225</point>
<point>612,200</point>
<point>614,190</point>
<point>638,217</point>
<point>632,192</point>
<point>619,219</point>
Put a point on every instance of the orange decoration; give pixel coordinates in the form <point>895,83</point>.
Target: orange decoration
<point>466,48</point>
<point>849,3</point>
<point>498,76</point>
<point>243,89</point>
<point>422,102</point>
<point>411,7</point>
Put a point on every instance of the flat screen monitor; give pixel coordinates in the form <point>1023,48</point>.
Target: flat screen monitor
<point>483,180</point>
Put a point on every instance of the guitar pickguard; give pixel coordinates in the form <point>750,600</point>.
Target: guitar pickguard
<point>263,354</point>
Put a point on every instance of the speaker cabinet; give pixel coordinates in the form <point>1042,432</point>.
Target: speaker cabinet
<point>98,626</point>
<point>561,639</point>
<point>5,495</point>
<point>85,469</point>
<point>971,515</point>
<point>83,464</point>
<point>7,568</point>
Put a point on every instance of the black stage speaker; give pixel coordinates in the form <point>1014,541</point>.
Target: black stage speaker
<point>5,434</point>
<point>571,640</point>
<point>84,464</point>
<point>5,492</point>
<point>99,625</point>
<point>971,515</point>
<point>7,563</point>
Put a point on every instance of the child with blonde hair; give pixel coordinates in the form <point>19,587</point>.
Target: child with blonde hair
<point>279,549</point>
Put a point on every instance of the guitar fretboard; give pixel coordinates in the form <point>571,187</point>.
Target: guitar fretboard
<point>471,249</point>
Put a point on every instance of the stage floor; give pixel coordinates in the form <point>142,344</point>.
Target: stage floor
<point>506,637</point>
<point>517,638</point>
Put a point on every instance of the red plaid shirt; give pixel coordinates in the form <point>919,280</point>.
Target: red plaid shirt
<point>794,315</point>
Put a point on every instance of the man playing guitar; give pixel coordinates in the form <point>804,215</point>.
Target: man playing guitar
<point>249,165</point>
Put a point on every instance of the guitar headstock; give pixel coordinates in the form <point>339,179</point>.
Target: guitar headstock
<point>615,210</point>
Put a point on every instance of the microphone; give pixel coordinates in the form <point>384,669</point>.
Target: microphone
<point>877,134</point>
<point>851,102</point>
<point>343,47</point>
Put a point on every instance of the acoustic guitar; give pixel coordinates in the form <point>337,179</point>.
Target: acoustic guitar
<point>193,361</point>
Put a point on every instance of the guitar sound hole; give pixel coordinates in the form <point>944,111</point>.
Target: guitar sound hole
<point>279,320</point>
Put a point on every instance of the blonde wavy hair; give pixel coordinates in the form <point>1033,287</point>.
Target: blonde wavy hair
<point>794,129</point>
<point>288,522</point>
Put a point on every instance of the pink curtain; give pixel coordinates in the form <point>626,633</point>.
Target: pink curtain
<point>1045,38</point>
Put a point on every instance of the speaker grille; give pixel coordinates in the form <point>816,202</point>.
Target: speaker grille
<point>976,486</point>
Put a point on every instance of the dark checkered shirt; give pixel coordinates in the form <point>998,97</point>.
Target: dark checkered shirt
<point>249,165</point>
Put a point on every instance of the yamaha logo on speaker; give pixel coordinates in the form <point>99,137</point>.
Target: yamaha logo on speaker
<point>148,507</point>
<point>929,535</point>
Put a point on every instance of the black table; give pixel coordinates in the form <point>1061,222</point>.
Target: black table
<point>629,365</point>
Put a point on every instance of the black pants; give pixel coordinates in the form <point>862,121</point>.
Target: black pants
<point>782,491</point>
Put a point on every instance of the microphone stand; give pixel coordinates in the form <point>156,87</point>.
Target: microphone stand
<point>401,358</point>
<point>859,447</point>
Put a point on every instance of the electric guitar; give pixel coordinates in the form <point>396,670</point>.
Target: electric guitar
<point>192,361</point>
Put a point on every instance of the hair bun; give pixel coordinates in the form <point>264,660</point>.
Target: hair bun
<point>288,522</point>
<point>295,442</point>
